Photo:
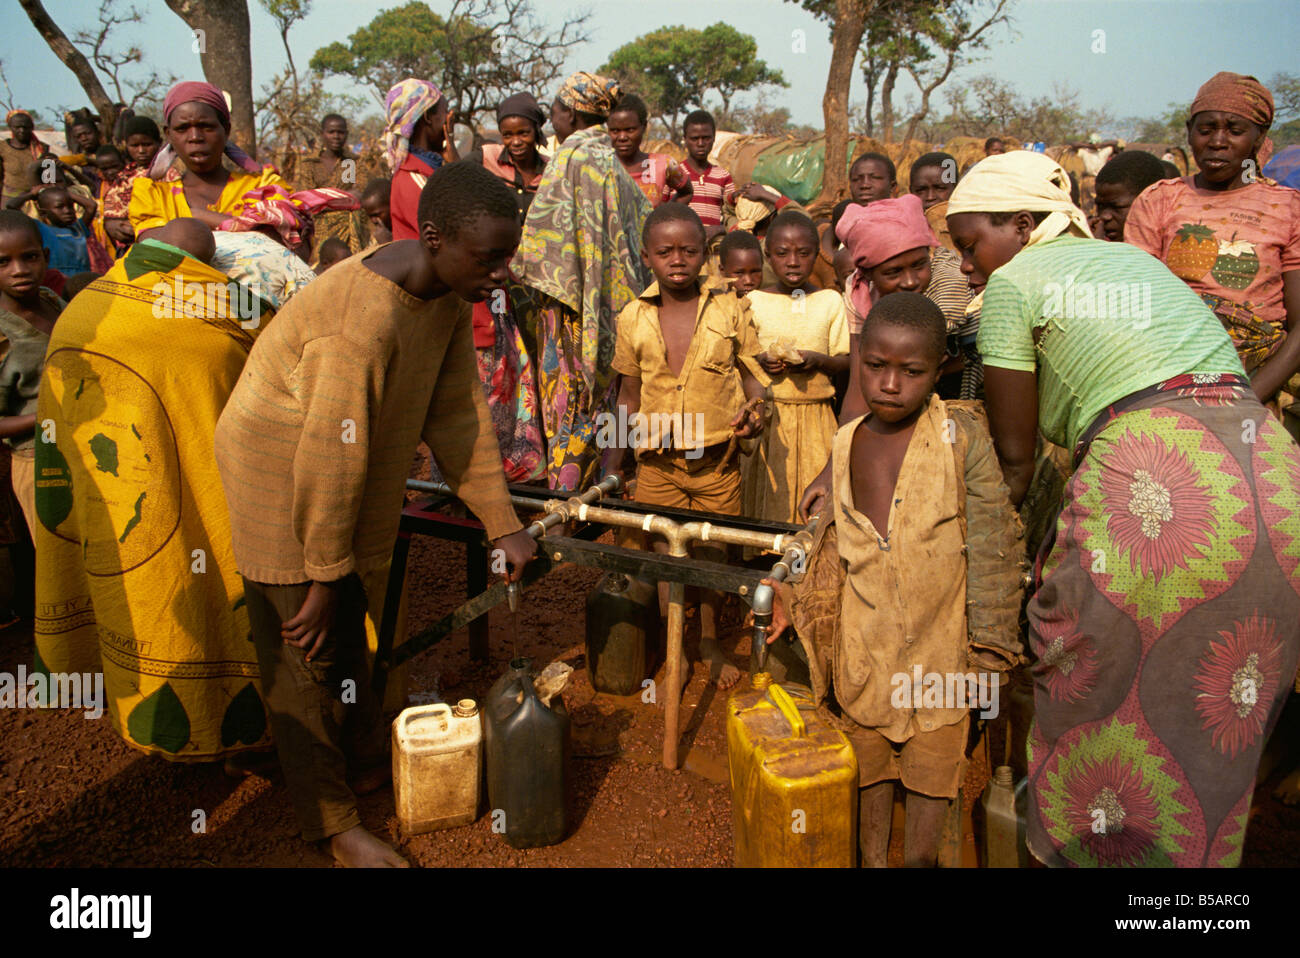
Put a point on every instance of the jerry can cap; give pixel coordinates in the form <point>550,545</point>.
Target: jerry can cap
<point>465,708</point>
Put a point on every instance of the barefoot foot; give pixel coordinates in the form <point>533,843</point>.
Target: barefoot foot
<point>721,672</point>
<point>357,848</point>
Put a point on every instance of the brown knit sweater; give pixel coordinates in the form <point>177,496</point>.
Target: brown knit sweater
<point>315,443</point>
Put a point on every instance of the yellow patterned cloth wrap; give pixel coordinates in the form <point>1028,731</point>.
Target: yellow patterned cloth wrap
<point>135,575</point>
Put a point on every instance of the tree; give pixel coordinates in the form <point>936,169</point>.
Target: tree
<point>928,39</point>
<point>480,53</point>
<point>112,64</point>
<point>73,59</point>
<point>848,22</point>
<point>222,40</point>
<point>292,104</point>
<point>998,108</point>
<point>673,69</point>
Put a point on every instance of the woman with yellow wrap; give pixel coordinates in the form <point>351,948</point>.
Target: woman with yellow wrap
<point>135,575</point>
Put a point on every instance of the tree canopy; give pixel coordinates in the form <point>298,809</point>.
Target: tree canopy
<point>673,69</point>
<point>482,51</point>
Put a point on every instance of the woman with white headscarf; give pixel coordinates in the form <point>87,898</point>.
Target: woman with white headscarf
<point>1166,615</point>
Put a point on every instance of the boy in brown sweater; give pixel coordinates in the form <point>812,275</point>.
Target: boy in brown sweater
<point>314,448</point>
<point>685,393</point>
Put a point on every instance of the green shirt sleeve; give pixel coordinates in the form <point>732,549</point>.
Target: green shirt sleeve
<point>1006,338</point>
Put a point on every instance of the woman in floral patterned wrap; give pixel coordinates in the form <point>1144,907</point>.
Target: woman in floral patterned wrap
<point>580,263</point>
<point>1166,616</point>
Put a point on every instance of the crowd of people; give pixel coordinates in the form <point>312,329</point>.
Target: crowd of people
<point>212,381</point>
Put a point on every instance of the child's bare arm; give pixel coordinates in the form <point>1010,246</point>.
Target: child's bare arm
<point>11,426</point>
<point>19,201</point>
<point>626,406</point>
<point>830,365</point>
<point>88,205</point>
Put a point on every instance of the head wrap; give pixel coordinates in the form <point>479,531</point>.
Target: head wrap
<point>194,91</point>
<point>1235,93</point>
<point>406,103</point>
<point>524,105</point>
<point>16,113</point>
<point>880,231</point>
<point>1241,95</point>
<point>289,213</point>
<point>589,93</point>
<point>1020,180</point>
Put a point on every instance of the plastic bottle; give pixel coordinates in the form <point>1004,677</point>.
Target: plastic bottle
<point>622,624</point>
<point>528,747</point>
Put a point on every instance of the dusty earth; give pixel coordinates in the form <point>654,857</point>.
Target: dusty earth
<point>72,794</point>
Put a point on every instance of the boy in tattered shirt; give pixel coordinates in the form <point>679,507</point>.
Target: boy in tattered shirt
<point>910,605</point>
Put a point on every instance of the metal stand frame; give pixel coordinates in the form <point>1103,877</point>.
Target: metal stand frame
<point>593,517</point>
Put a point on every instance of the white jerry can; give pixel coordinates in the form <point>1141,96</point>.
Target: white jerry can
<point>437,766</point>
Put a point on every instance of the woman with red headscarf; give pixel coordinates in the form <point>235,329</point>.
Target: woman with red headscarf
<point>197,126</point>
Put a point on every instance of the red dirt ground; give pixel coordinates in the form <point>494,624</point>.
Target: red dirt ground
<point>73,794</point>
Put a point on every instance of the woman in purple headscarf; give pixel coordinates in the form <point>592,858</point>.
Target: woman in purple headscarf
<point>197,128</point>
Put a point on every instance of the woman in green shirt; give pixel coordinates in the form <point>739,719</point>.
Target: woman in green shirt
<point>1166,615</point>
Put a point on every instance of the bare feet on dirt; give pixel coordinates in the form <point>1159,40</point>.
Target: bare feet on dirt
<point>357,848</point>
<point>721,672</point>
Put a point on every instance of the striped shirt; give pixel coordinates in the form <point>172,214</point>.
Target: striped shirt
<point>713,188</point>
<point>1114,320</point>
<point>315,443</point>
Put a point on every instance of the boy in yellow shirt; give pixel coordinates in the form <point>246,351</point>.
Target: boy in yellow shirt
<point>685,352</point>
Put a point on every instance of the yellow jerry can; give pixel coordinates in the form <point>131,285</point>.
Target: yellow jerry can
<point>794,781</point>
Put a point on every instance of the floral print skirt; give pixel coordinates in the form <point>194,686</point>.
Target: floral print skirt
<point>1166,628</point>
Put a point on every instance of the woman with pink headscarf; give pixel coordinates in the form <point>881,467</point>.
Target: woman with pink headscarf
<point>893,250</point>
<point>197,128</point>
<point>417,142</point>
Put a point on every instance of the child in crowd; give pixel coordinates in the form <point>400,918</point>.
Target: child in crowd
<point>374,201</point>
<point>832,249</point>
<point>111,165</point>
<point>806,345</point>
<point>330,253</point>
<point>661,178</point>
<point>1118,184</point>
<point>713,186</point>
<point>893,250</point>
<point>933,177</point>
<point>921,523</point>
<point>872,177</point>
<point>681,352</point>
<point>741,259</point>
<point>65,235</point>
<point>27,315</point>
<point>142,141</point>
<point>313,449</point>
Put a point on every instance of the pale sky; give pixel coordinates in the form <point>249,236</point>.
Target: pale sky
<point>1156,51</point>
